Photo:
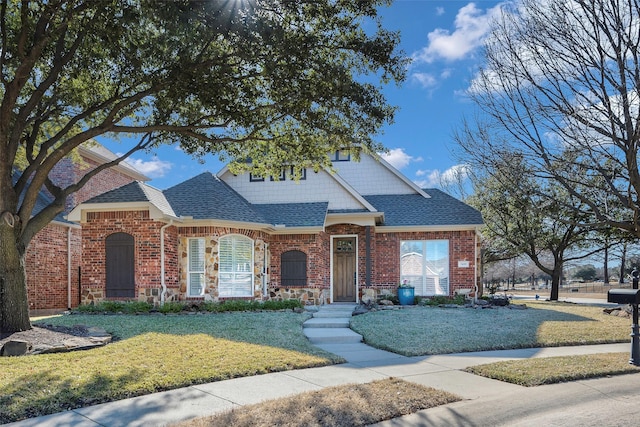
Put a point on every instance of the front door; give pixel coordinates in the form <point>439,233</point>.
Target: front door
<point>344,269</point>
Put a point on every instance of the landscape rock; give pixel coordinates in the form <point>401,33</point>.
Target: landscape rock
<point>53,339</point>
<point>385,302</point>
<point>15,348</point>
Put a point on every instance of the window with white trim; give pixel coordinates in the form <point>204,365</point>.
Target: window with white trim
<point>424,264</point>
<point>235,275</point>
<point>196,267</point>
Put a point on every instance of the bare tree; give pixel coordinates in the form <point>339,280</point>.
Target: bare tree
<point>560,87</point>
<point>521,219</point>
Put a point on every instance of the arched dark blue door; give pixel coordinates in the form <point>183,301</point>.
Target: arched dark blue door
<point>120,266</point>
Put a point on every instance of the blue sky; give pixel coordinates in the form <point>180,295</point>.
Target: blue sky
<point>444,39</point>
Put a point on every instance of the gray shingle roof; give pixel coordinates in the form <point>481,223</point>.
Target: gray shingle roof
<point>294,214</point>
<point>415,210</point>
<point>205,196</point>
<point>135,192</point>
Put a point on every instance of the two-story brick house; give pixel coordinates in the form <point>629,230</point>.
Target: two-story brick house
<point>54,255</point>
<point>326,237</point>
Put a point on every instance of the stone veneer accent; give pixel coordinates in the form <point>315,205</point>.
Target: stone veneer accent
<point>384,250</point>
<point>211,236</point>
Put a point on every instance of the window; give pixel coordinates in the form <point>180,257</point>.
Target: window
<point>293,268</point>
<point>341,156</point>
<point>424,264</point>
<point>303,173</point>
<point>235,278</point>
<point>281,177</point>
<point>255,178</point>
<point>195,287</point>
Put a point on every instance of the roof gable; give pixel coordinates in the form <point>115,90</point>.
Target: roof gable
<point>205,196</point>
<point>372,175</point>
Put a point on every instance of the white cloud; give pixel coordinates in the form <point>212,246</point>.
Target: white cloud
<point>471,26</point>
<point>398,158</point>
<point>437,179</point>
<point>154,168</point>
<point>426,80</point>
<point>439,11</point>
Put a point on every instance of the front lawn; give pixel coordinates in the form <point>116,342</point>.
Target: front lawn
<point>550,370</point>
<point>153,353</point>
<point>418,331</point>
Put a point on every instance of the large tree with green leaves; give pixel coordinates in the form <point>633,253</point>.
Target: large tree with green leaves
<point>277,81</point>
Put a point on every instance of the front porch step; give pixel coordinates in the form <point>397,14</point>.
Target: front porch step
<point>332,335</point>
<point>335,311</point>
<point>327,322</point>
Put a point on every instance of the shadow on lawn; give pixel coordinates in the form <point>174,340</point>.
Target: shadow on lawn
<point>44,393</point>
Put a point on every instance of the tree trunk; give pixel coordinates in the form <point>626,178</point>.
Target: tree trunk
<point>556,275</point>
<point>606,265</point>
<point>14,308</point>
<point>623,261</point>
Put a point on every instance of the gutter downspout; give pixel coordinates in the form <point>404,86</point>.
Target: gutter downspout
<point>475,267</point>
<point>69,268</point>
<point>163,294</point>
<point>265,272</point>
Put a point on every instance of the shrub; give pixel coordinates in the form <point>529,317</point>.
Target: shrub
<point>132,307</point>
<point>442,299</point>
<point>171,307</point>
<point>129,307</point>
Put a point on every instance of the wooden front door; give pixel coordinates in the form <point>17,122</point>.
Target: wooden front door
<point>344,269</point>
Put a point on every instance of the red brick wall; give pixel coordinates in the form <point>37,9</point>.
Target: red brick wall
<point>67,172</point>
<point>384,250</point>
<point>46,264</point>
<point>315,246</point>
<point>385,255</point>
<point>386,260</point>
<point>46,258</point>
<point>146,234</point>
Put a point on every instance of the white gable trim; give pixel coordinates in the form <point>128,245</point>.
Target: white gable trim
<point>426,228</point>
<point>358,218</point>
<point>399,174</point>
<point>79,213</point>
<point>100,154</point>
<point>351,191</point>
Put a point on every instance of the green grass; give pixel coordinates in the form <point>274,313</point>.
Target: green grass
<point>550,370</point>
<point>154,353</point>
<point>431,330</point>
<point>161,352</point>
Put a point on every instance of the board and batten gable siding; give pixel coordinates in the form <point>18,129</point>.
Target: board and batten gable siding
<point>317,187</point>
<point>369,177</point>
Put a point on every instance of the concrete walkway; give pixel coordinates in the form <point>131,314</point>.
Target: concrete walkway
<point>482,396</point>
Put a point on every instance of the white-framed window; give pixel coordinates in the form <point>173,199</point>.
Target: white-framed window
<point>424,264</point>
<point>235,275</point>
<point>196,273</point>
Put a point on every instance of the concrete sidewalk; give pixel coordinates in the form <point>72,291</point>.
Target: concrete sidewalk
<point>365,364</point>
